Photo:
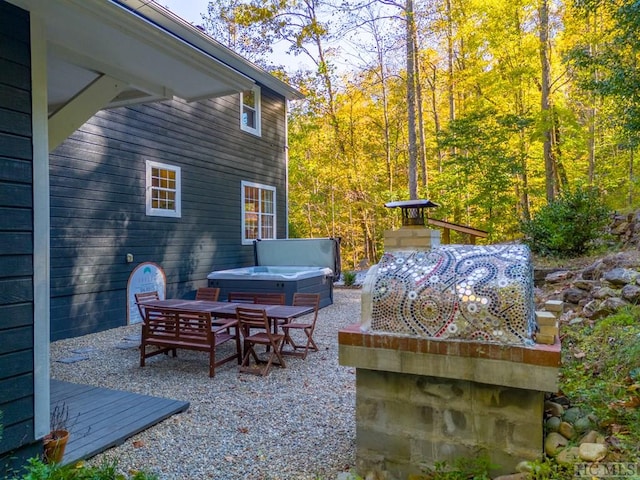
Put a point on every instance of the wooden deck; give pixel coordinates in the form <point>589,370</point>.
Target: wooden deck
<point>100,418</point>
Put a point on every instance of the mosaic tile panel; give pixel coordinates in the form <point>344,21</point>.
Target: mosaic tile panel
<point>478,293</point>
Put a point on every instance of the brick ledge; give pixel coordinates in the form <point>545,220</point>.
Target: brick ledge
<point>537,355</point>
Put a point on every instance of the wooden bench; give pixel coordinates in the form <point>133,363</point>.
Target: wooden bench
<point>171,329</point>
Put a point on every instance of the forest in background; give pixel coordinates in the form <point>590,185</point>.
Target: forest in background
<point>490,108</point>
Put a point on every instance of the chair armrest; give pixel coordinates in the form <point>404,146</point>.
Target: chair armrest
<point>232,322</point>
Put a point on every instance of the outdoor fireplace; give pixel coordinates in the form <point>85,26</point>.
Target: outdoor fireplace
<point>445,358</point>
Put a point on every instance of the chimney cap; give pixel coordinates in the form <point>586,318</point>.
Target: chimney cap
<point>411,204</point>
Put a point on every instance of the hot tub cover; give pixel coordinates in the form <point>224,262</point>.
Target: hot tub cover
<point>308,252</point>
<point>480,293</point>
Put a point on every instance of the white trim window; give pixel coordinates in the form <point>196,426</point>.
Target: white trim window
<point>250,114</point>
<point>258,212</point>
<point>163,189</point>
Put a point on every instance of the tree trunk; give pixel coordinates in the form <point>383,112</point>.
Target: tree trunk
<point>547,117</point>
<point>421,140</point>
<point>411,102</point>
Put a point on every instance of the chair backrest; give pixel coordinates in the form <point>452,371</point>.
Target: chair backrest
<point>249,318</point>
<point>241,297</point>
<point>308,300</point>
<point>145,297</point>
<point>186,326</point>
<point>269,298</point>
<point>210,294</point>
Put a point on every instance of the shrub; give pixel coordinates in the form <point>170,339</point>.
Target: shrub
<point>36,469</point>
<point>567,226</point>
<point>349,278</point>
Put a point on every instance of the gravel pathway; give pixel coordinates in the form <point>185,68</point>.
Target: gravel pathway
<point>296,423</point>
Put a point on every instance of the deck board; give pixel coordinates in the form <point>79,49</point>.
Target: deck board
<point>101,418</point>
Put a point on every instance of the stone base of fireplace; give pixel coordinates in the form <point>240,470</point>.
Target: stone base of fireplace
<point>421,401</point>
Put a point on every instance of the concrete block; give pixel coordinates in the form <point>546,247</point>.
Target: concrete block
<point>546,318</point>
<point>545,339</point>
<point>554,305</point>
<point>549,329</point>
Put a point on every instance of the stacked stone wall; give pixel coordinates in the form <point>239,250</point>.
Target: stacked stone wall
<point>408,421</point>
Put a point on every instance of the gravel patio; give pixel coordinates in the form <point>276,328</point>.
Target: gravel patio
<point>296,423</point>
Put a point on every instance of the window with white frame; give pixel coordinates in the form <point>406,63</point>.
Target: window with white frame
<point>258,212</point>
<point>250,111</point>
<point>163,190</point>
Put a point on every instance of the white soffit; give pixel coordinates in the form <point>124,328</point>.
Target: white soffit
<point>154,11</point>
<point>90,38</point>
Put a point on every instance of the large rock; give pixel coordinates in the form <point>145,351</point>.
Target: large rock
<point>568,456</point>
<point>621,276</point>
<point>594,271</point>
<point>593,452</point>
<point>554,443</point>
<point>604,292</point>
<point>584,284</point>
<point>567,431</point>
<point>559,276</point>
<point>631,293</point>
<point>574,295</point>
<point>608,307</point>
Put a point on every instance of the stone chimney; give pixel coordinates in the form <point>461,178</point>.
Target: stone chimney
<point>413,235</point>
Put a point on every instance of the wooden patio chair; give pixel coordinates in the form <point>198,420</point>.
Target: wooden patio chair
<point>145,297</point>
<point>302,299</point>
<point>241,297</point>
<point>254,328</point>
<point>269,298</point>
<point>210,294</point>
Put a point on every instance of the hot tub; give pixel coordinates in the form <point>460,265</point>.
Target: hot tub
<point>286,266</point>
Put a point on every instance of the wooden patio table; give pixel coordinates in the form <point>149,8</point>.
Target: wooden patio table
<point>228,309</point>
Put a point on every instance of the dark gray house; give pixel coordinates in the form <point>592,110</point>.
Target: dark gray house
<point>126,136</point>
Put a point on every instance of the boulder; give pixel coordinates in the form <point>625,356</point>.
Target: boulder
<point>568,456</point>
<point>593,452</point>
<point>554,443</point>
<point>604,292</point>
<point>583,284</point>
<point>621,276</point>
<point>559,276</point>
<point>631,293</point>
<point>553,424</point>
<point>572,414</point>
<point>567,431</point>
<point>553,408</point>
<point>594,271</point>
<point>583,424</point>
<point>574,295</point>
<point>608,307</point>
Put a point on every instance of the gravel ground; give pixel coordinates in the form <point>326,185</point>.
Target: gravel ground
<point>296,423</point>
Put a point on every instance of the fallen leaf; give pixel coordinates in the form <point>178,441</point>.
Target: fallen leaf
<point>243,430</point>
<point>579,355</point>
<point>633,402</point>
<point>634,387</point>
<point>138,444</point>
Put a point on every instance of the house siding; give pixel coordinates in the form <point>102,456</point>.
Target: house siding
<point>16,238</point>
<point>98,202</point>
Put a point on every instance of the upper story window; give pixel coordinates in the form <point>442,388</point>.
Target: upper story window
<point>250,111</point>
<point>258,212</point>
<point>163,190</point>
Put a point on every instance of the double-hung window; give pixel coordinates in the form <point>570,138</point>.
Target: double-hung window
<point>250,111</point>
<point>258,212</point>
<point>163,190</point>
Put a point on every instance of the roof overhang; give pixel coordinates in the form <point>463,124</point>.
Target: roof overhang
<point>90,38</point>
<point>194,36</point>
